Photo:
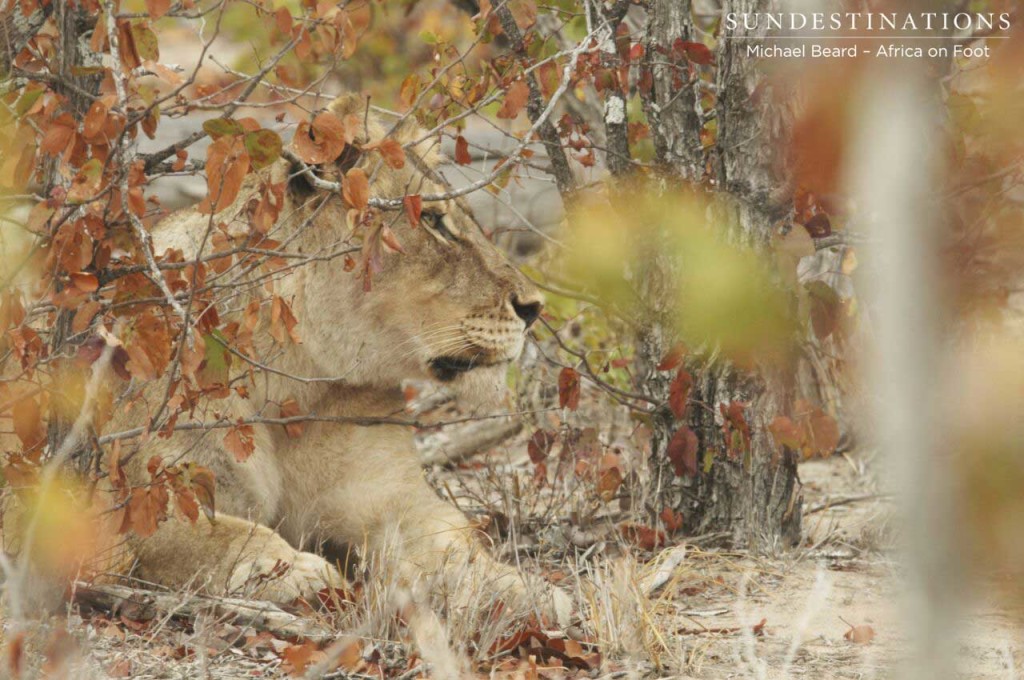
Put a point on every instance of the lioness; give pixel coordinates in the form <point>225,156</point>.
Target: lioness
<point>450,307</point>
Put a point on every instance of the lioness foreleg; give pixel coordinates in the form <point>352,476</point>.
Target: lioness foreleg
<point>232,556</point>
<point>428,541</point>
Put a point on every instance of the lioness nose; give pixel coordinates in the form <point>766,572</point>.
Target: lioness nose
<point>527,310</point>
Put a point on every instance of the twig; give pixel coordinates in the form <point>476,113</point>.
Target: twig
<point>846,501</point>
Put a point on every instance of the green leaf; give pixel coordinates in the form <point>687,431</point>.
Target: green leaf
<point>222,127</point>
<point>146,43</point>
<point>217,359</point>
<point>27,99</point>
<point>264,147</point>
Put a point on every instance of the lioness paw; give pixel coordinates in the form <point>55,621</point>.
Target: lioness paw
<point>284,578</point>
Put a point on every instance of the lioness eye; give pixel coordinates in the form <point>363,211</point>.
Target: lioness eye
<point>437,222</point>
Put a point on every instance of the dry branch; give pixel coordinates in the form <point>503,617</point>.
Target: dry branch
<point>142,605</point>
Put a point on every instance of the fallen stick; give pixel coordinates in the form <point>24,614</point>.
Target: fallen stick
<point>142,605</point>
<point>668,560</point>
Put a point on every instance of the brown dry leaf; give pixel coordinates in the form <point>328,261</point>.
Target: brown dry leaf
<point>84,315</point>
<point>610,479</point>
<point>515,99</point>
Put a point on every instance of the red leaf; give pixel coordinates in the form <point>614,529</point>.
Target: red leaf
<point>540,445</point>
<point>569,389</point>
<point>672,519</point>
<point>679,392</point>
<point>462,156</point>
<point>413,209</point>
<point>672,359</point>
<point>643,537</point>
<point>696,52</point>
<point>682,452</point>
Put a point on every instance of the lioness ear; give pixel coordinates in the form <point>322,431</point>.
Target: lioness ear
<point>347,104</point>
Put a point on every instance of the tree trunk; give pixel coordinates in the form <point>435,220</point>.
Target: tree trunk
<point>751,495</point>
<point>74,24</point>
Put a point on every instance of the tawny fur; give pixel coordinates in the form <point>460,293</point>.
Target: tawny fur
<point>340,484</point>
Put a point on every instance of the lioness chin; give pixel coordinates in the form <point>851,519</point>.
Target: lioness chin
<point>449,308</point>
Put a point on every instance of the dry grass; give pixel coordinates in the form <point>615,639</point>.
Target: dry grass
<point>651,614</point>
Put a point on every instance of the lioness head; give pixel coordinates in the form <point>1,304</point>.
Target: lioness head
<point>450,306</point>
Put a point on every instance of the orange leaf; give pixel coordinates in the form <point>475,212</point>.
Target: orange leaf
<point>157,8</point>
<point>147,508</point>
<point>321,142</point>
<point>413,209</point>
<point>85,282</point>
<point>95,120</point>
<point>290,409</point>
<point>283,19</point>
<point>860,634</point>
<point>28,423</point>
<point>393,153</point>
<point>227,164</point>
<point>240,442</point>
<point>515,100</point>
<point>356,189</point>
<point>282,322</point>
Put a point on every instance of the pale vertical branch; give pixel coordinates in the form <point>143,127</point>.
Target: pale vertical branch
<point>895,172</point>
